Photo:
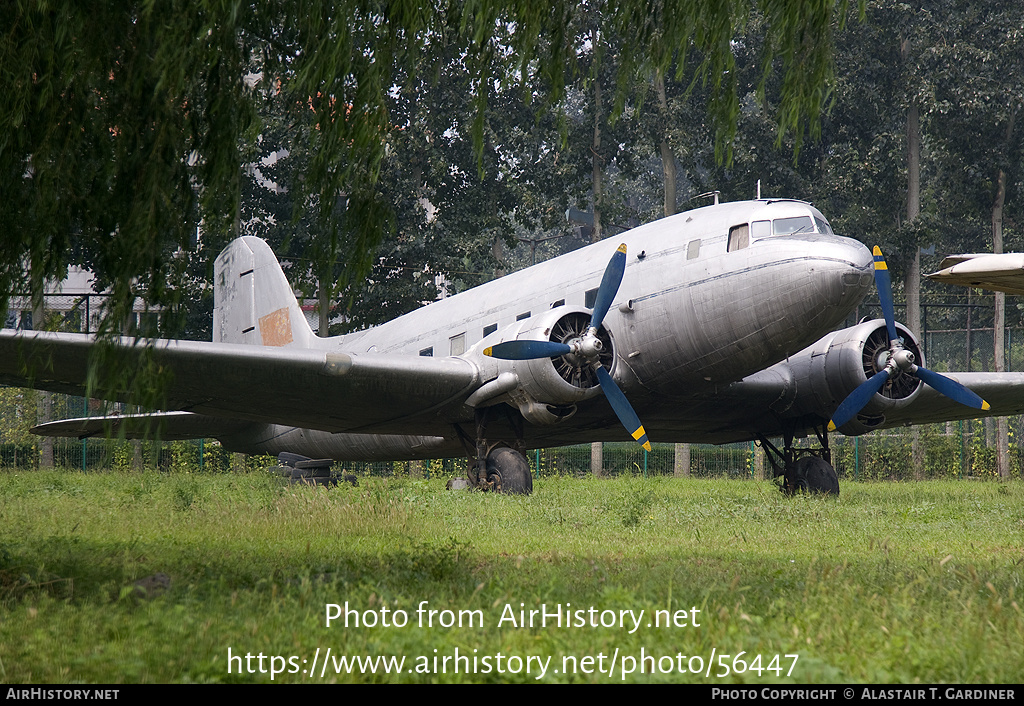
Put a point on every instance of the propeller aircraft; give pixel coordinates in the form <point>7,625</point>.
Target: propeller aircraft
<point>715,325</point>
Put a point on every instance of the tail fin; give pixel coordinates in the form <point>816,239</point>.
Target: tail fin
<point>252,301</point>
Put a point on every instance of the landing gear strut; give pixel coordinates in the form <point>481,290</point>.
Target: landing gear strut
<point>496,466</point>
<point>803,470</point>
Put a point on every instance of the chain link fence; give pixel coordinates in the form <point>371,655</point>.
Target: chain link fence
<point>952,450</point>
<point>957,336</point>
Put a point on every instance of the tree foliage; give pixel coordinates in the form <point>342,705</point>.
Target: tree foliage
<point>125,128</point>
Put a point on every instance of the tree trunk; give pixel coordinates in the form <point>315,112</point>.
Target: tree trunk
<point>44,400</point>
<point>668,157</point>
<point>682,464</point>
<point>597,235</point>
<point>912,283</point>
<point>999,324</point>
<point>324,305</point>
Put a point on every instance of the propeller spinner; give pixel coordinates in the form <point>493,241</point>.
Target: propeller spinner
<point>899,358</point>
<point>587,347</point>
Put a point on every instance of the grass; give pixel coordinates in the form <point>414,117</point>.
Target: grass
<point>899,583</point>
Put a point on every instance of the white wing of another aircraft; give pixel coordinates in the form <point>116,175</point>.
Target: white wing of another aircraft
<point>1000,273</point>
<point>716,325</point>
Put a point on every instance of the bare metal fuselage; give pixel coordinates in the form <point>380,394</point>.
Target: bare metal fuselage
<point>690,317</point>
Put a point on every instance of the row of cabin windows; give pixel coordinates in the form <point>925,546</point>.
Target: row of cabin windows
<point>457,344</point>
<point>739,238</point>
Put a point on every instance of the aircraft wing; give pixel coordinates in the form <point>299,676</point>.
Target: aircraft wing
<point>313,389</point>
<point>1003,391</point>
<point>1000,273</point>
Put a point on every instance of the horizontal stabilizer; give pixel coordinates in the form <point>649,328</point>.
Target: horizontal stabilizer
<point>159,426</point>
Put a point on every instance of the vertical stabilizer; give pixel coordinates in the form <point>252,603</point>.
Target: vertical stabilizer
<point>253,301</point>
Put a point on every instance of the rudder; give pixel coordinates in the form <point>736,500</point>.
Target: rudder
<point>253,301</point>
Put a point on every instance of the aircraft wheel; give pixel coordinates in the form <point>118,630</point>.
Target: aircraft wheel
<point>811,474</point>
<point>508,471</point>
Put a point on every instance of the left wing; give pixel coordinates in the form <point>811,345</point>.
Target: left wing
<point>313,389</point>
<point>1000,273</point>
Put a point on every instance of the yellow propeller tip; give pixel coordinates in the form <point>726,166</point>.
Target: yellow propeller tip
<point>487,351</point>
<point>985,405</point>
<point>647,446</point>
<point>621,248</point>
<point>876,251</point>
<point>831,425</point>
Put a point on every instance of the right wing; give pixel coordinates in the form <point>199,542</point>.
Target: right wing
<point>312,389</point>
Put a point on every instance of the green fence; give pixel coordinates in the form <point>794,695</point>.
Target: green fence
<point>954,450</point>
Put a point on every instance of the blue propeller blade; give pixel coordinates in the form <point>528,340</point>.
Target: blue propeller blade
<point>884,286</point>
<point>623,409</point>
<point>860,397</point>
<point>857,399</point>
<point>951,388</point>
<point>609,286</point>
<point>527,350</point>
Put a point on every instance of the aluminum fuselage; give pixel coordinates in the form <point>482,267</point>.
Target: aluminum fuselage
<point>694,312</point>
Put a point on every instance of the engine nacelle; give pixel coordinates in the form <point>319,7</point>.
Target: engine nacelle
<point>549,388</point>
<point>825,373</point>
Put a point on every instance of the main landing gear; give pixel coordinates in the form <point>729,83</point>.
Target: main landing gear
<point>803,470</point>
<point>496,466</point>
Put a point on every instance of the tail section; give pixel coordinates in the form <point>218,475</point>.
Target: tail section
<point>253,301</point>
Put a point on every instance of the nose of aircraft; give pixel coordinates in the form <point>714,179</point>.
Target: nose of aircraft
<point>834,273</point>
<point>855,267</point>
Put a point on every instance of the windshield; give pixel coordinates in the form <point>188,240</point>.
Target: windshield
<point>788,226</point>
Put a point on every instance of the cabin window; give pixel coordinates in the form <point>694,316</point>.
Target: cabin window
<point>590,298</point>
<point>457,344</point>
<point>739,237</point>
<point>524,315</point>
<point>489,329</point>
<point>760,229</point>
<point>788,226</point>
<point>560,302</point>
<point>693,250</point>
<point>427,351</point>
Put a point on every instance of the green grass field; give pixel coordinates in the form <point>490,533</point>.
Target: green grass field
<point>897,583</point>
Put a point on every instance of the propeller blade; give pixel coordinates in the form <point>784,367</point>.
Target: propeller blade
<point>527,350</point>
<point>623,409</point>
<point>609,286</point>
<point>951,388</point>
<point>856,400</point>
<point>884,286</point>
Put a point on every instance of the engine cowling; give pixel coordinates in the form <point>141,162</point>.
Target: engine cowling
<point>825,373</point>
<point>549,389</point>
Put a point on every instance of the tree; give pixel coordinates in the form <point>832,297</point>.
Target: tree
<point>979,94</point>
<point>122,128</point>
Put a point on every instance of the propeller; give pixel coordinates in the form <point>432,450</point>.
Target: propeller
<point>900,359</point>
<point>587,347</point>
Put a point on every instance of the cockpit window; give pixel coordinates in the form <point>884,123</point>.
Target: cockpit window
<point>760,229</point>
<point>823,227</point>
<point>788,226</point>
<point>739,237</point>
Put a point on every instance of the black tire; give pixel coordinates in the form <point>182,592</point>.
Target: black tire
<point>811,474</point>
<point>314,468</point>
<point>509,472</point>
<point>286,458</point>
